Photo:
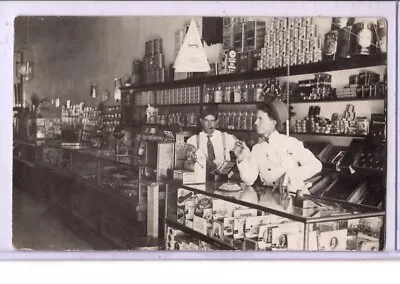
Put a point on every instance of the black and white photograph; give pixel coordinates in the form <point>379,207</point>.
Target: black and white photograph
<point>200,133</point>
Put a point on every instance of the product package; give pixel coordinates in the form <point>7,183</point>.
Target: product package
<point>222,209</point>
<point>238,228</point>
<point>228,226</point>
<point>332,241</point>
<point>253,225</point>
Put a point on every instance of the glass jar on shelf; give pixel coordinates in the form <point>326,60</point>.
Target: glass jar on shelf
<point>212,94</point>
<point>221,120</point>
<point>218,94</point>
<point>244,97</point>
<point>227,94</point>
<point>238,120</point>
<point>231,120</point>
<point>251,92</point>
<point>207,95</point>
<point>226,120</point>
<point>258,92</point>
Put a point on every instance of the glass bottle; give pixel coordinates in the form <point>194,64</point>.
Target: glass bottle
<point>212,94</point>
<point>227,94</point>
<point>218,94</point>
<point>238,120</point>
<point>258,92</point>
<point>226,122</point>
<point>250,92</point>
<point>244,122</point>
<point>244,97</point>
<point>207,95</point>
<point>231,121</point>
<point>237,94</point>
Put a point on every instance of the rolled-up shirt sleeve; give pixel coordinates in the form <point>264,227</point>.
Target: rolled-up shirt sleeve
<point>248,168</point>
<point>309,165</point>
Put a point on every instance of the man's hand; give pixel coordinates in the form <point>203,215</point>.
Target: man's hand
<point>241,151</point>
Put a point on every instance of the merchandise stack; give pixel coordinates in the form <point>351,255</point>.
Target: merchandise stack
<point>290,41</point>
<point>153,62</point>
<point>91,118</point>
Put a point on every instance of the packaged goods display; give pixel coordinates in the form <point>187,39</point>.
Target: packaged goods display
<point>348,124</point>
<point>111,118</point>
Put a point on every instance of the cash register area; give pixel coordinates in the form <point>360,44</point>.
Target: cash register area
<point>99,153</point>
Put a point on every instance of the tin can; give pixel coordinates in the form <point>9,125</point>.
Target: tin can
<point>267,39</point>
<point>306,21</point>
<point>151,47</point>
<point>291,23</point>
<point>281,37</point>
<point>271,27</point>
<point>291,48</point>
<point>344,42</point>
<point>317,55</point>
<point>311,31</point>
<point>286,60</point>
<point>298,22</point>
<point>277,50</point>
<point>295,34</point>
<point>315,43</point>
<point>302,33</point>
<point>288,36</point>
<point>306,45</point>
<point>270,51</point>
<point>278,61</point>
<point>284,48</point>
<point>284,24</point>
<point>309,57</point>
<point>274,38</point>
<point>331,41</point>
<point>301,59</point>
<point>299,47</point>
<point>160,61</point>
<point>272,62</point>
<point>157,43</point>
<point>293,60</point>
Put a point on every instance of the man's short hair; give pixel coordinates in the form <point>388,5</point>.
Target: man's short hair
<point>210,110</point>
<point>276,110</point>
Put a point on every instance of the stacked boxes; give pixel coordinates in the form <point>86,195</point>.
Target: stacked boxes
<point>290,41</point>
<point>187,95</point>
<point>153,62</point>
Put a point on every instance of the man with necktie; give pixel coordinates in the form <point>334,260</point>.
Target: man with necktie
<point>212,143</point>
<point>278,159</point>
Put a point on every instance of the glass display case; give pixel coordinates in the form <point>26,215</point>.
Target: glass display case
<point>105,194</point>
<point>234,216</point>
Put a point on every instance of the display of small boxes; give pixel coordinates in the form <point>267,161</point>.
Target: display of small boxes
<point>238,38</point>
<point>254,34</point>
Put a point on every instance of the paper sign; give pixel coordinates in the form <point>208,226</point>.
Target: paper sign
<point>191,56</point>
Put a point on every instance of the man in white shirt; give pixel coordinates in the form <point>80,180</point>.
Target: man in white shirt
<point>280,160</point>
<point>211,143</point>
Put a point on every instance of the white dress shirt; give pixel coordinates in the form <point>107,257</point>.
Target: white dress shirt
<point>216,140</point>
<point>282,154</point>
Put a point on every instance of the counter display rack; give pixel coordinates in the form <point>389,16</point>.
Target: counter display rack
<point>233,216</point>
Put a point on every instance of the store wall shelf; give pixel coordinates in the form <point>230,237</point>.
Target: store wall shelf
<point>338,100</point>
<point>311,68</point>
<point>338,64</point>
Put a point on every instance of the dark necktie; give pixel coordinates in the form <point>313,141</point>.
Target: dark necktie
<point>210,149</point>
<point>264,139</point>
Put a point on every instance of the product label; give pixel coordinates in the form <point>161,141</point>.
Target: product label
<point>330,44</point>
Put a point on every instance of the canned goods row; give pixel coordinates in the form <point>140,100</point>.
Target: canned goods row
<point>286,24</point>
<point>154,62</point>
<point>153,47</point>
<point>156,76</point>
<point>294,47</point>
<point>144,98</point>
<point>188,95</point>
<point>294,35</point>
<point>291,60</point>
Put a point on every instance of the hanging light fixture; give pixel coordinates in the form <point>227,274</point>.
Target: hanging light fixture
<point>25,70</point>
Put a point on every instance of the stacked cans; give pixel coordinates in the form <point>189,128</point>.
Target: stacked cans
<point>317,88</point>
<point>291,41</point>
<point>187,95</point>
<point>153,62</point>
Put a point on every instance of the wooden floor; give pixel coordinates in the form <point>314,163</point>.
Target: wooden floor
<point>36,229</point>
